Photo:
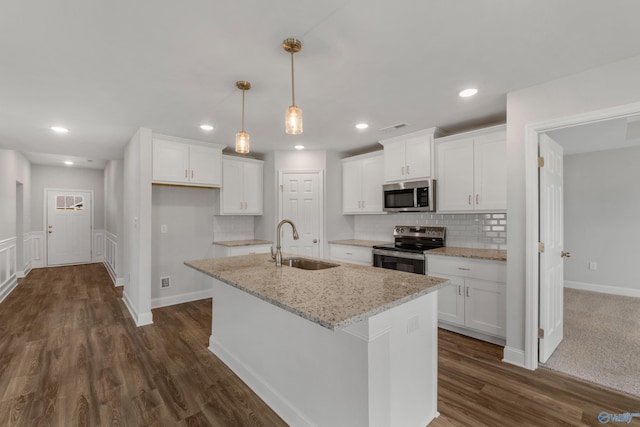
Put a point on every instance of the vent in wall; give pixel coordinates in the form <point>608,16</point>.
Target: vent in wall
<point>393,127</point>
<point>165,282</point>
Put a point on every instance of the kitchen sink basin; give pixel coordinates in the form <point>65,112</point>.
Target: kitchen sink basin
<point>307,264</point>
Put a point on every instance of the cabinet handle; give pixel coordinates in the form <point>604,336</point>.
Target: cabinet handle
<point>477,199</point>
<point>464,268</point>
<point>402,168</point>
<point>363,204</point>
<point>348,253</point>
<point>191,173</point>
<point>459,289</point>
<point>467,292</point>
<point>186,173</point>
<point>408,170</point>
<point>469,198</point>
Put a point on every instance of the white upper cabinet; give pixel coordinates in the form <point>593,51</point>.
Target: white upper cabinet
<point>176,161</point>
<point>409,157</point>
<point>241,192</point>
<point>362,181</point>
<point>472,172</point>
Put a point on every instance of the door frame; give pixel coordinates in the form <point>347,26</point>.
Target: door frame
<point>45,221</point>
<point>321,186</point>
<point>532,221</point>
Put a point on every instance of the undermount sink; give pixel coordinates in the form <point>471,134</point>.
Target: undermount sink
<point>307,264</point>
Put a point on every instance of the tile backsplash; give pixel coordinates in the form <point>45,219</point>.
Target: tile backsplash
<point>233,227</point>
<point>488,231</point>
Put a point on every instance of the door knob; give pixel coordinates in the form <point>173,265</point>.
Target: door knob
<point>315,240</point>
<point>50,231</point>
<point>564,254</point>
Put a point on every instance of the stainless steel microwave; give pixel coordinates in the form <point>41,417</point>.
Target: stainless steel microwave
<point>415,196</point>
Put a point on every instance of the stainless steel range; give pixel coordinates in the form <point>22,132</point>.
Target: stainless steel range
<point>407,253</point>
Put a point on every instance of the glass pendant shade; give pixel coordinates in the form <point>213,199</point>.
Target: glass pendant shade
<point>242,142</point>
<point>293,120</point>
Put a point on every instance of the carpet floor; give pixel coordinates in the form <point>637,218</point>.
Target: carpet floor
<point>601,340</point>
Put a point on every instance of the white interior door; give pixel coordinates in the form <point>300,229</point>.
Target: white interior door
<point>68,227</point>
<point>552,235</point>
<point>301,202</point>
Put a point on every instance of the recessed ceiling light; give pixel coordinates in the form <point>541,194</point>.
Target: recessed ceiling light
<point>59,129</point>
<point>299,147</point>
<point>467,92</point>
<point>362,126</point>
<point>68,162</point>
<point>206,127</point>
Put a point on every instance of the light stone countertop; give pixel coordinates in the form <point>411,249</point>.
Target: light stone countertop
<point>333,298</point>
<point>361,243</point>
<point>490,254</point>
<point>234,243</point>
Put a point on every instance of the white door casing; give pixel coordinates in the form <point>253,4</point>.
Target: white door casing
<point>301,201</point>
<point>552,236</point>
<point>69,226</point>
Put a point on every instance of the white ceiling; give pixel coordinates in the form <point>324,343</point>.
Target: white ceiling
<point>105,68</point>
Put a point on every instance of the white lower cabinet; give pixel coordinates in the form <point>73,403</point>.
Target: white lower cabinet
<point>353,254</point>
<point>475,302</point>
<point>220,251</point>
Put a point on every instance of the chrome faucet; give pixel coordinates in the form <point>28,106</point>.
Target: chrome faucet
<point>278,255</point>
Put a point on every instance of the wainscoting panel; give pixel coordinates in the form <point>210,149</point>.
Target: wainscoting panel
<point>109,259</point>
<point>8,277</point>
<point>27,256</point>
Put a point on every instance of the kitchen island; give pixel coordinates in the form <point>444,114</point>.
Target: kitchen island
<point>344,346</point>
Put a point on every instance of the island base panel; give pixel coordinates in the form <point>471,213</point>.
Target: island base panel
<point>378,372</point>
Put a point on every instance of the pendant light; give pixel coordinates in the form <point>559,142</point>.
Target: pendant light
<point>242,138</point>
<point>293,116</point>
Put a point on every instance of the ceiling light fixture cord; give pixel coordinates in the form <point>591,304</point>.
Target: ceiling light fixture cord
<point>293,90</point>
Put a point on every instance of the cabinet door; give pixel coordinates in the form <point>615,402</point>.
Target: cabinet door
<point>252,188</point>
<point>231,192</point>
<point>490,172</point>
<point>394,162</point>
<point>170,161</point>
<point>451,300</point>
<point>485,306</point>
<point>372,181</point>
<point>418,157</point>
<point>455,176</point>
<point>352,187</point>
<point>206,165</point>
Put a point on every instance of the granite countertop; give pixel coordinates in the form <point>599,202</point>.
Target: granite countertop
<point>490,254</point>
<point>233,243</point>
<point>333,298</point>
<point>356,242</point>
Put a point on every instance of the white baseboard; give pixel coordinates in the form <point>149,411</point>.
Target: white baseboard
<point>139,319</point>
<point>180,299</point>
<point>513,356</point>
<point>282,406</point>
<point>8,286</point>
<point>603,289</point>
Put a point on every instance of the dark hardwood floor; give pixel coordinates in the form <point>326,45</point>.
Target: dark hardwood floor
<point>71,355</point>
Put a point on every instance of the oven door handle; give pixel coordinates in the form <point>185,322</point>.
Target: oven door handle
<point>398,254</point>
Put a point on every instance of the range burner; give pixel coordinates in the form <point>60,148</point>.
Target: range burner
<point>407,253</point>
<point>416,239</point>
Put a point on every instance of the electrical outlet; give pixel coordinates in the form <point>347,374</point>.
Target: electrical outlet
<point>593,265</point>
<point>163,228</point>
<point>165,282</point>
<point>413,324</point>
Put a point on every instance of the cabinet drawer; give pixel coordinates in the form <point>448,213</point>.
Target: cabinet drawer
<point>495,271</point>
<point>250,249</point>
<point>354,254</point>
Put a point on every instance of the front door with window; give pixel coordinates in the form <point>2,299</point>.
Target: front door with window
<point>68,227</point>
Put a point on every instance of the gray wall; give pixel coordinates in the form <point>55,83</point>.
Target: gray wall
<point>66,178</point>
<point>188,215</point>
<point>13,167</point>
<point>602,217</point>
